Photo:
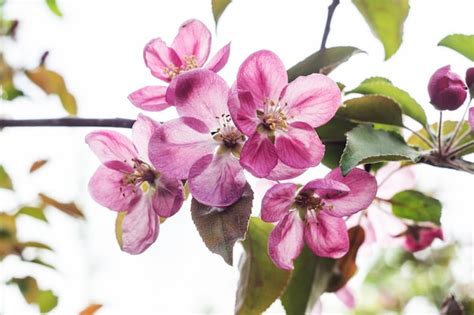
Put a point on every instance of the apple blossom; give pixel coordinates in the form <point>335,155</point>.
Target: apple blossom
<point>420,237</point>
<point>446,89</point>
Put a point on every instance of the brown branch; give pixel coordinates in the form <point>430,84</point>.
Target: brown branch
<point>68,122</point>
<point>331,8</point>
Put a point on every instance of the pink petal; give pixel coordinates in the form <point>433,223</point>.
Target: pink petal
<point>277,201</point>
<point>421,238</point>
<point>107,189</point>
<point>217,180</point>
<point>300,146</point>
<point>201,94</point>
<point>150,98</point>
<point>363,188</point>
<point>327,188</point>
<point>140,227</point>
<point>326,235</point>
<point>258,155</point>
<point>471,117</point>
<point>393,178</point>
<point>220,59</point>
<point>159,57</point>
<point>313,99</point>
<point>264,75</point>
<point>346,296</point>
<point>193,40</point>
<point>243,111</point>
<point>142,130</point>
<point>285,242</point>
<point>178,144</point>
<point>168,197</point>
<point>283,171</point>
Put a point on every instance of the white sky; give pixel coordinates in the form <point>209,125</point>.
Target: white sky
<point>98,47</point>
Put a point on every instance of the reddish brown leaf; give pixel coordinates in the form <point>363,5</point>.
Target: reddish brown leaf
<point>37,165</point>
<point>91,309</point>
<point>68,208</point>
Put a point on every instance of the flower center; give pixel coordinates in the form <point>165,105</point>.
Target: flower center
<point>143,177</point>
<point>309,203</point>
<point>273,116</point>
<point>172,70</point>
<point>229,137</point>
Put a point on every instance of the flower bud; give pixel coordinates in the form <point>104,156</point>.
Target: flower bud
<point>446,89</point>
<point>418,237</point>
<point>470,80</point>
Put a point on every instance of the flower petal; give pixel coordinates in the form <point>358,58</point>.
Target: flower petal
<point>471,117</point>
<point>363,189</point>
<point>193,40</point>
<point>150,98</point>
<point>243,110</point>
<point>313,99</point>
<point>159,57</point>
<point>142,130</point>
<point>300,146</point>
<point>220,59</point>
<point>346,296</point>
<point>178,144</point>
<point>277,201</point>
<point>264,75</point>
<point>283,171</point>
<point>258,156</point>
<point>421,238</point>
<point>285,242</point>
<point>168,197</point>
<point>326,235</point>
<point>327,188</point>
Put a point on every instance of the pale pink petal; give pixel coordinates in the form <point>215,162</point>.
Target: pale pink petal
<point>285,242</point>
<point>258,155</point>
<point>142,130</point>
<point>107,189</point>
<point>471,117</point>
<point>150,98</point>
<point>313,99</point>
<point>327,188</point>
<point>300,146</point>
<point>159,58</point>
<point>264,75</point>
<point>385,225</point>
<point>420,238</point>
<point>193,40</point>
<point>217,180</point>
<point>326,235</point>
<point>243,111</point>
<point>346,296</point>
<point>220,59</point>
<point>283,171</point>
<point>363,189</point>
<point>178,144</point>
<point>168,197</point>
<point>277,201</point>
<point>140,227</point>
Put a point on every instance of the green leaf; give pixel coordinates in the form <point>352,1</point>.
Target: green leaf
<point>5,180</point>
<point>261,282</point>
<point>28,287</point>
<point>368,145</point>
<point>53,6</point>
<point>416,206</point>
<point>382,86</point>
<point>34,212</point>
<point>309,280</point>
<point>218,7</point>
<point>38,261</point>
<point>8,90</point>
<point>119,227</point>
<point>385,18</point>
<point>372,109</point>
<point>220,228</point>
<point>463,44</point>
<point>34,245</point>
<point>323,61</point>
<point>47,301</point>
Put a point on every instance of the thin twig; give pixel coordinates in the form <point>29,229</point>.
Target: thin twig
<point>458,127</point>
<point>440,127</point>
<point>461,148</point>
<point>421,137</point>
<point>68,122</point>
<point>331,8</point>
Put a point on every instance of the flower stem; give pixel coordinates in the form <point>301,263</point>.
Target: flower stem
<point>421,137</point>
<point>461,148</point>
<point>458,127</point>
<point>331,8</point>
<point>440,128</point>
<point>68,122</point>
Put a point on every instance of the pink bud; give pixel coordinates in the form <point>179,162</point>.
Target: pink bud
<point>446,89</point>
<point>470,80</point>
<point>418,237</point>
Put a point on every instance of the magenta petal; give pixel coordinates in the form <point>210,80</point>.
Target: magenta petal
<point>346,296</point>
<point>421,238</point>
<point>277,201</point>
<point>471,117</point>
<point>193,40</point>
<point>178,144</point>
<point>264,75</point>
<point>168,197</point>
<point>363,188</point>
<point>217,180</point>
<point>327,188</point>
<point>159,57</point>
<point>326,235</point>
<point>313,99</point>
<point>285,242</point>
<point>220,59</point>
<point>150,98</point>
<point>259,155</point>
<point>107,189</point>
<point>243,111</point>
<point>283,171</point>
<point>300,146</point>
<point>142,130</point>
<point>140,227</point>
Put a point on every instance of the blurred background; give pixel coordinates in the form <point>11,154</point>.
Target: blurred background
<point>97,47</point>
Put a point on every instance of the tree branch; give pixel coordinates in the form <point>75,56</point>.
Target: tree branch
<point>68,122</point>
<point>331,8</point>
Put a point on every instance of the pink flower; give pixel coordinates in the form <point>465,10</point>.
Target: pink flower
<point>471,117</point>
<point>279,118</point>
<point>203,145</point>
<point>420,237</point>
<point>470,79</point>
<point>189,50</point>
<point>446,89</point>
<point>314,214</point>
<point>126,181</point>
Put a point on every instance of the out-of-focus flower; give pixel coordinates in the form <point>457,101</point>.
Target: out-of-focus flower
<point>446,89</point>
<point>470,80</point>
<point>471,117</point>
<point>420,237</point>
<point>189,50</point>
<point>126,181</point>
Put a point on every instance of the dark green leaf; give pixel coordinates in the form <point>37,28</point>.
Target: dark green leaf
<point>8,90</point>
<point>261,282</point>
<point>463,44</point>
<point>322,61</point>
<point>5,180</point>
<point>220,228</point>
<point>218,7</point>
<point>38,261</point>
<point>28,288</point>
<point>34,212</point>
<point>47,301</point>
<point>368,145</point>
<point>385,19</point>
<point>414,205</point>
<point>53,6</point>
<point>372,109</point>
<point>68,208</point>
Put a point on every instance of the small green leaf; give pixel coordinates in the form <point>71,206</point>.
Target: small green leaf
<point>372,109</point>
<point>385,18</point>
<point>5,180</point>
<point>28,287</point>
<point>34,245</point>
<point>368,145</point>
<point>218,7</point>
<point>47,301</point>
<point>38,261</point>
<point>416,206</point>
<point>34,212</point>
<point>220,228</point>
<point>53,6</point>
<point>8,90</point>
<point>382,86</point>
<point>323,61</point>
<point>463,44</point>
